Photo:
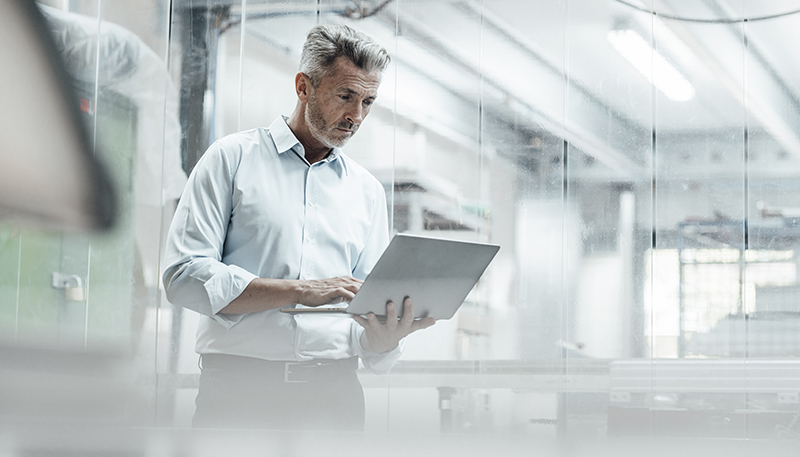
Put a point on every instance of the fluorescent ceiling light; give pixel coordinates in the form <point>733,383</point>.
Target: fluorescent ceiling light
<point>651,64</point>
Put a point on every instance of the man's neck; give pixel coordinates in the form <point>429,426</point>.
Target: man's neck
<point>314,151</point>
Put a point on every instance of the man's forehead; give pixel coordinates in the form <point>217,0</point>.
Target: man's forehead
<point>349,77</point>
<point>345,70</point>
<point>356,86</point>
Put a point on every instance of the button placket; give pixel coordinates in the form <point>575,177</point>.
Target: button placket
<point>311,222</point>
<point>304,254</point>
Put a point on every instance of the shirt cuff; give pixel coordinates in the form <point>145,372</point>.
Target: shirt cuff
<point>378,363</point>
<point>223,288</point>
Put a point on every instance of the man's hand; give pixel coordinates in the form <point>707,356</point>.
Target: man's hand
<point>263,294</point>
<point>385,337</point>
<point>317,292</point>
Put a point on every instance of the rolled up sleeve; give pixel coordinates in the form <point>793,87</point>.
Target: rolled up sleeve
<point>378,363</point>
<point>195,276</point>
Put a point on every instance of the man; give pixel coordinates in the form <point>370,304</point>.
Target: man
<point>279,217</point>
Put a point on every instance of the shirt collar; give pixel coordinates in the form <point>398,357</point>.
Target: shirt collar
<point>282,135</point>
<point>285,140</point>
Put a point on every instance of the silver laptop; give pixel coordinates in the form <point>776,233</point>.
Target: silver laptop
<point>436,274</point>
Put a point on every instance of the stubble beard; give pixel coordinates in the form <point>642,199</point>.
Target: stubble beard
<point>318,128</point>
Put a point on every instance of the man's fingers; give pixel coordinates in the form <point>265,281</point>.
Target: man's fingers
<point>318,292</point>
<point>336,296</point>
<point>353,283</point>
<point>352,288</point>
<point>349,282</point>
<point>350,285</point>
<point>422,324</point>
<point>360,320</point>
<point>391,315</point>
<point>373,320</point>
<point>346,294</point>
<point>408,312</point>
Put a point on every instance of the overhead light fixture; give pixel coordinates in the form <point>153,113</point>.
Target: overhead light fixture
<point>651,64</point>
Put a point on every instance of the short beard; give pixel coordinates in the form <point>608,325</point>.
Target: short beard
<point>317,127</point>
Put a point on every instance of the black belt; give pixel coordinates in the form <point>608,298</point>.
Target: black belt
<point>311,370</point>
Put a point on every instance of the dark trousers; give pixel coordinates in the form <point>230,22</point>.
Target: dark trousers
<point>242,392</point>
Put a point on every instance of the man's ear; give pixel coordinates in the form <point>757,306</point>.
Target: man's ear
<point>302,86</point>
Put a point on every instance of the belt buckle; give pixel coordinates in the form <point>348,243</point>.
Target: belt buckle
<point>286,372</point>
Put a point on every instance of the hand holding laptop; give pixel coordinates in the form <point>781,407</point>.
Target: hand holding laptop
<point>438,273</point>
<point>383,337</point>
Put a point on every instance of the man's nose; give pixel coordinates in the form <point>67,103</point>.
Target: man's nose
<point>355,114</point>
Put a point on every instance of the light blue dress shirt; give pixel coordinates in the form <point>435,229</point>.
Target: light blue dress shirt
<point>254,207</point>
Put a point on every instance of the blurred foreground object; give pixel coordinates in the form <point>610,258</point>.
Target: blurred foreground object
<point>43,387</point>
<point>49,175</point>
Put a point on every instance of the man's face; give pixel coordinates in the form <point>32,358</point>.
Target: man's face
<point>340,103</point>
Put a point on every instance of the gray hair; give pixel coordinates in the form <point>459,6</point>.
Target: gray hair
<point>326,43</point>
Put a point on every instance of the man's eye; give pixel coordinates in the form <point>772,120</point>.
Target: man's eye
<point>368,102</point>
<point>344,97</point>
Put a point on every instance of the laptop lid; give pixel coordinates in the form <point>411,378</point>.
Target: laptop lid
<point>436,274</point>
